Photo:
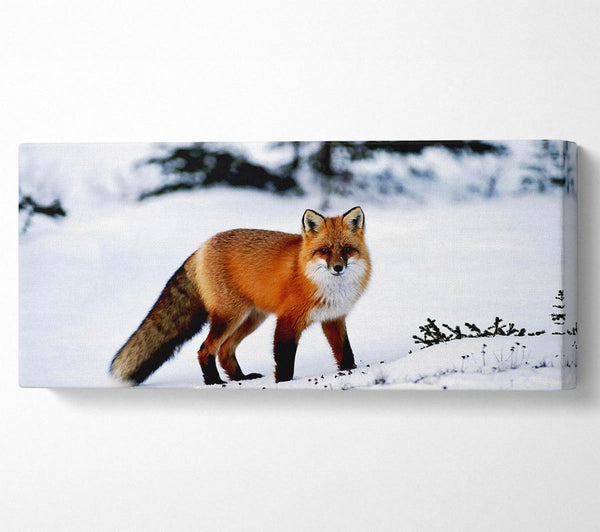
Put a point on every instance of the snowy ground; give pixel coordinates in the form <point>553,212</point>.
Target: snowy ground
<point>86,283</point>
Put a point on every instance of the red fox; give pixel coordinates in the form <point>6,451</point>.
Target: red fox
<point>237,278</point>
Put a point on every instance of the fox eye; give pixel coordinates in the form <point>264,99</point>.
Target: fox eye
<point>346,249</point>
<point>324,250</point>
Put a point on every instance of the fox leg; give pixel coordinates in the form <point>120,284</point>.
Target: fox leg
<point>220,329</point>
<point>227,356</point>
<point>287,334</point>
<point>337,336</point>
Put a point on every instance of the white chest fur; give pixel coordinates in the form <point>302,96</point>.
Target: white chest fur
<point>336,293</point>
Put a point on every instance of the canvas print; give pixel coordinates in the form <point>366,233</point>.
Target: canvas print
<point>326,265</point>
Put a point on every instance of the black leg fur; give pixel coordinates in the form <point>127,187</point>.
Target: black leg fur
<point>285,356</point>
<point>210,372</point>
<point>347,356</point>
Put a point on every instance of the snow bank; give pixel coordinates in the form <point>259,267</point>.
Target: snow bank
<point>86,284</point>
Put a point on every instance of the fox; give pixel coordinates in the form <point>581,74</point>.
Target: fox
<point>237,278</point>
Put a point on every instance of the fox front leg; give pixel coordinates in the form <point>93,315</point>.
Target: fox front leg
<point>337,336</point>
<point>285,346</point>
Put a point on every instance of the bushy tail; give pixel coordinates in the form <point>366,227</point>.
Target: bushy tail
<point>177,315</point>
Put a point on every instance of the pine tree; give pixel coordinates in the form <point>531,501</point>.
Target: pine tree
<point>205,164</point>
<point>559,317</point>
<point>548,167</point>
<point>31,207</point>
<point>329,163</point>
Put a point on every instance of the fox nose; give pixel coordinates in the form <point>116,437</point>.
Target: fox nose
<point>338,268</point>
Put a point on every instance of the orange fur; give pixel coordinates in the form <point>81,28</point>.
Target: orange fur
<point>245,268</point>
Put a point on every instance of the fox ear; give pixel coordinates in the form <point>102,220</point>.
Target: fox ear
<point>312,221</point>
<point>354,219</point>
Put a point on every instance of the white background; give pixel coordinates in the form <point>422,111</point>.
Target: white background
<point>191,460</point>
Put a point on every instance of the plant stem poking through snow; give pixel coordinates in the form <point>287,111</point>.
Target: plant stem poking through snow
<point>433,335</point>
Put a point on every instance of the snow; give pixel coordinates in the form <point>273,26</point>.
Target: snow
<point>87,282</point>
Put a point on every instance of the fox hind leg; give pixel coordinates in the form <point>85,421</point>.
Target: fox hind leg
<point>220,329</point>
<point>227,357</point>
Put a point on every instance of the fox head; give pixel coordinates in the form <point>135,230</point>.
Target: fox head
<point>335,246</point>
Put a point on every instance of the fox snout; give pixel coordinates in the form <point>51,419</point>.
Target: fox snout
<point>338,269</point>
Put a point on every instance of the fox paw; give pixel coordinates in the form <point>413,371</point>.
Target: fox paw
<point>251,376</point>
<point>213,380</point>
